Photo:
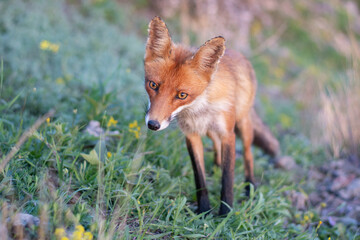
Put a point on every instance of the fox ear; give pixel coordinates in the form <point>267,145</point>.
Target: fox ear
<point>159,41</point>
<point>207,57</point>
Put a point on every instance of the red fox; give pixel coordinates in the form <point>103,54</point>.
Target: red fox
<point>209,91</point>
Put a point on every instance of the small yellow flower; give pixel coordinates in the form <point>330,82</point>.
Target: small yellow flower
<point>318,226</point>
<point>297,215</point>
<point>80,228</point>
<point>54,48</point>
<point>237,213</point>
<point>138,201</point>
<point>48,120</point>
<point>88,236</point>
<point>134,128</point>
<point>109,154</point>
<point>112,122</point>
<point>44,45</point>
<point>311,215</point>
<point>59,232</point>
<point>136,133</point>
<point>64,238</point>
<point>323,205</point>
<point>306,218</point>
<point>77,235</point>
<point>134,124</point>
<point>329,238</point>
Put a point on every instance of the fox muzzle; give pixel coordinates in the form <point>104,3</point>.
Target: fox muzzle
<point>153,125</point>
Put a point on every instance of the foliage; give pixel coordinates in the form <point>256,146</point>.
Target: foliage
<point>86,62</point>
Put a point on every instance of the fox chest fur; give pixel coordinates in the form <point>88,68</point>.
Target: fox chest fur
<point>203,116</point>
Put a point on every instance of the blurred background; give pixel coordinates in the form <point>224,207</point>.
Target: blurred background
<point>85,60</point>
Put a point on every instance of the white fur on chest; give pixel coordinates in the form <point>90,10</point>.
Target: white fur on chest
<point>202,116</point>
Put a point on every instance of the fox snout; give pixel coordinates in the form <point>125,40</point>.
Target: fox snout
<point>154,122</point>
<point>153,125</point>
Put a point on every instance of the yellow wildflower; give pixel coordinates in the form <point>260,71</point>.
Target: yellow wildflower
<point>44,45</point>
<point>306,218</point>
<point>311,215</point>
<point>77,235</point>
<point>54,48</point>
<point>318,226</point>
<point>138,201</point>
<point>88,236</point>
<point>134,128</point>
<point>323,204</point>
<point>80,228</point>
<point>134,124</point>
<point>48,120</point>
<point>297,215</point>
<point>64,238</point>
<point>237,213</point>
<point>112,122</point>
<point>59,232</point>
<point>109,154</point>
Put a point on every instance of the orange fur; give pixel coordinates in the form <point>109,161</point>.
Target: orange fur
<point>220,89</point>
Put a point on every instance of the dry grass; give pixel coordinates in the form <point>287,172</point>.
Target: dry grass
<point>338,118</point>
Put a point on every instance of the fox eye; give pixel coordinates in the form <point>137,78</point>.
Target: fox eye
<point>153,85</point>
<point>182,95</point>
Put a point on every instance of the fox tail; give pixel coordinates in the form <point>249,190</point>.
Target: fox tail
<point>263,138</point>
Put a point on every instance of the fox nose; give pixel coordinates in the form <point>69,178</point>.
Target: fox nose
<point>153,125</point>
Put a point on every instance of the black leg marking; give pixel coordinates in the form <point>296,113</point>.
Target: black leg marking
<point>228,162</point>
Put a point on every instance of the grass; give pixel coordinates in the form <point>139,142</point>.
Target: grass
<point>131,184</point>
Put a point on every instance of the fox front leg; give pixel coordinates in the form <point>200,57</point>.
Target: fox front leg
<point>217,147</point>
<point>196,152</point>
<point>228,165</point>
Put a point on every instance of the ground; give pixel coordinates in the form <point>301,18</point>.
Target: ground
<point>93,168</point>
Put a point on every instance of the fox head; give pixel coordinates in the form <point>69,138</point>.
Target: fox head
<point>175,76</point>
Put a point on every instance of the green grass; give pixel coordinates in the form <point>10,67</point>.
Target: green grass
<point>144,189</point>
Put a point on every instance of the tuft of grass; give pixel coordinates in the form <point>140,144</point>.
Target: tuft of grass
<point>338,118</point>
